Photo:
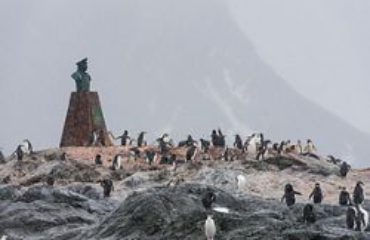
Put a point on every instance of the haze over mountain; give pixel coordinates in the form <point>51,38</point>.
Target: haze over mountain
<point>322,48</point>
<point>180,67</point>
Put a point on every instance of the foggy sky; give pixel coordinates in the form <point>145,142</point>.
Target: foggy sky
<point>321,49</point>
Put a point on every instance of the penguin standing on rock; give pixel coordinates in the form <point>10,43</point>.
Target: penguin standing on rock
<point>205,145</point>
<point>117,162</point>
<point>214,138</point>
<point>344,169</point>
<point>107,185</point>
<point>125,139</point>
<point>19,153</point>
<point>358,193</point>
<point>210,228</point>
<point>140,140</point>
<point>309,215</point>
<point>151,156</point>
<point>238,143</point>
<point>344,198</point>
<point>191,152</point>
<point>207,200</point>
<point>241,182</point>
<point>289,195</point>
<point>316,194</point>
<point>98,160</point>
<point>357,218</point>
<point>263,150</point>
<point>221,138</point>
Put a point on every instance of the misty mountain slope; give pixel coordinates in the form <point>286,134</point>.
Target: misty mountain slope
<point>191,69</point>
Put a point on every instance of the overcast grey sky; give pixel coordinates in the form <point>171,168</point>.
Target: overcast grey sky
<point>321,48</point>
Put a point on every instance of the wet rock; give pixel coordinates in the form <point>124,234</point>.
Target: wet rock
<point>177,213</point>
<point>9,192</point>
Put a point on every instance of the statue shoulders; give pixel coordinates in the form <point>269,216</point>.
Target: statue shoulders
<point>78,76</point>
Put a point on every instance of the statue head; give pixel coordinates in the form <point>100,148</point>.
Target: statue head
<point>82,65</point>
<point>81,77</point>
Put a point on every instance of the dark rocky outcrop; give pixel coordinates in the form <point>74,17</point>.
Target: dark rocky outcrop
<point>177,213</point>
<point>166,204</point>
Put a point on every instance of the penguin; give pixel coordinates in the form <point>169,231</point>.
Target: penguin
<point>282,147</point>
<point>357,218</point>
<point>344,197</point>
<point>333,160</point>
<point>191,152</point>
<point>210,228</point>
<point>190,141</point>
<point>140,140</point>
<point>151,156</point>
<point>358,193</point>
<point>289,195</point>
<point>214,138</point>
<point>310,147</point>
<point>362,218</point>
<point>344,169</point>
<point>298,147</point>
<point>101,137</point>
<point>241,182</point>
<point>207,200</point>
<point>63,157</point>
<point>275,147</point>
<point>117,162</point>
<point>204,144</point>
<point>238,143</point>
<point>221,139</point>
<point>227,156</point>
<point>125,139</point>
<point>50,180</point>
<point>27,146</point>
<point>107,185</point>
<point>263,150</point>
<point>19,153</point>
<point>309,215</point>
<point>316,194</point>
<point>166,138</point>
<point>94,138</point>
<point>98,160</point>
<point>253,143</point>
<point>310,150</point>
<point>135,152</point>
<point>351,217</point>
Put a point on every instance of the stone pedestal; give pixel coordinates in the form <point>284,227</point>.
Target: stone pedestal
<point>84,116</point>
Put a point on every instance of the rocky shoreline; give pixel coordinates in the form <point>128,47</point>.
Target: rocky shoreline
<point>159,202</point>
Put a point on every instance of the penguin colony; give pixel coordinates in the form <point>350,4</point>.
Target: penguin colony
<point>357,217</point>
<point>166,152</point>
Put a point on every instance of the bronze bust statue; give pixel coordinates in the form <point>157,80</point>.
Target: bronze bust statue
<point>81,77</point>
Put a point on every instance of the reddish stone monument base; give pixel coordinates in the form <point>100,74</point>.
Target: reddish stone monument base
<point>84,117</point>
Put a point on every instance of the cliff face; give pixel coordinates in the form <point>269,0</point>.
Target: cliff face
<point>166,204</point>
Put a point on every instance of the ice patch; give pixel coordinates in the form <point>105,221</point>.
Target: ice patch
<point>221,209</point>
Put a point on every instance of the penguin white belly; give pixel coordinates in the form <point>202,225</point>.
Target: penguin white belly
<point>241,181</point>
<point>210,229</point>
